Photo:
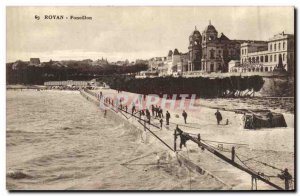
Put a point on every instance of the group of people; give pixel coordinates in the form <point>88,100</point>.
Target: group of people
<point>157,112</point>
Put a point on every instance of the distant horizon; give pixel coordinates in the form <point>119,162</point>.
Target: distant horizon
<point>73,60</point>
<point>120,33</point>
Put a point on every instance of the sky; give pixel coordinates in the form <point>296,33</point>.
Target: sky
<point>119,33</point>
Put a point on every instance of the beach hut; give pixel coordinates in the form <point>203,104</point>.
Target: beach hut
<point>266,119</point>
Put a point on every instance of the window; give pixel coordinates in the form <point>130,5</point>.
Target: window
<point>275,59</point>
<point>274,47</point>
<point>242,51</point>
<point>212,54</point>
<point>261,59</point>
<point>219,66</point>
<point>270,58</point>
<point>279,46</point>
<point>283,45</point>
<point>266,68</point>
<point>283,57</point>
<point>212,67</point>
<point>266,58</point>
<point>220,53</point>
<point>270,47</point>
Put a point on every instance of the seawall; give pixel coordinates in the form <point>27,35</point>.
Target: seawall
<point>139,129</point>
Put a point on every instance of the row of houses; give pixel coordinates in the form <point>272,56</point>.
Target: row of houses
<point>93,82</point>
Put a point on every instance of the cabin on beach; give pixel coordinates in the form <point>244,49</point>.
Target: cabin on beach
<point>263,119</point>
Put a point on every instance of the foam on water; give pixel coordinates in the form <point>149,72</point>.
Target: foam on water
<point>58,140</point>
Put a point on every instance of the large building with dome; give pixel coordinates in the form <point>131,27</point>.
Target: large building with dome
<point>211,52</point>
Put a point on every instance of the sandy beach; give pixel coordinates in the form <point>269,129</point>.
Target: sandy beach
<point>115,153</point>
<point>273,146</point>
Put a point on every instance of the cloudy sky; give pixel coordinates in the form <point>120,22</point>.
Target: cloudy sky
<point>120,33</point>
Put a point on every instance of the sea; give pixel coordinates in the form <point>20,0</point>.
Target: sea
<point>57,140</point>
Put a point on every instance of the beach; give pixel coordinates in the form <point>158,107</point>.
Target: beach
<point>59,136</point>
<point>56,140</point>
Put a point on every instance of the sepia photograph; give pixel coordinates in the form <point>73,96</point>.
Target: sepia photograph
<point>150,98</point>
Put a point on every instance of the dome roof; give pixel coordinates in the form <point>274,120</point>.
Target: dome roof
<point>176,52</point>
<point>210,28</point>
<point>195,32</point>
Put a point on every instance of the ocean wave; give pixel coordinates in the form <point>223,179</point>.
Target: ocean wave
<point>65,176</point>
<point>118,127</point>
<point>17,175</point>
<point>66,128</point>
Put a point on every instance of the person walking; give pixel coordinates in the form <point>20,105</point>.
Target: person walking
<point>161,123</point>
<point>218,117</point>
<point>148,115</point>
<point>184,114</point>
<point>101,95</point>
<point>270,119</point>
<point>159,112</point>
<point>153,110</point>
<point>168,116</point>
<point>132,109</point>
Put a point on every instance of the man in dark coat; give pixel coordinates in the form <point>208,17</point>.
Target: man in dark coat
<point>218,116</point>
<point>133,109</point>
<point>153,110</point>
<point>184,114</point>
<point>270,119</point>
<point>148,115</point>
<point>168,116</point>
<point>159,112</point>
<point>183,137</point>
<point>161,123</point>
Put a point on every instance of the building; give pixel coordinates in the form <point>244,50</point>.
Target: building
<point>100,62</point>
<point>233,64</point>
<point>34,62</point>
<point>265,56</point>
<point>217,51</point>
<point>141,61</point>
<point>156,62</point>
<point>67,83</point>
<point>195,51</point>
<point>176,62</point>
